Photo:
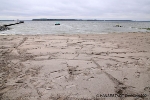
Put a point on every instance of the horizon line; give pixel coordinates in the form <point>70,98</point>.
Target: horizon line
<point>70,19</point>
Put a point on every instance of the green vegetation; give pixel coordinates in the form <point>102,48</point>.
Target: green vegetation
<point>145,28</point>
<point>148,28</point>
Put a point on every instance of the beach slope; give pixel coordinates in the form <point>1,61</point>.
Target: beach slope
<point>61,67</point>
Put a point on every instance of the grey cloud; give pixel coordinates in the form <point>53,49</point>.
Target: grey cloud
<point>119,9</point>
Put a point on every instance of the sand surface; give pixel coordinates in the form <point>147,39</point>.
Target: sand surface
<point>74,67</point>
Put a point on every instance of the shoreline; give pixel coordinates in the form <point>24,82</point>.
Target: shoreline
<point>147,32</point>
<point>51,66</point>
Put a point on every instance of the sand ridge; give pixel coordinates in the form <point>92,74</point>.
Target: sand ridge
<point>60,67</point>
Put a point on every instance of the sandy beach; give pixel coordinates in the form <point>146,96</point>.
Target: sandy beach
<point>75,67</point>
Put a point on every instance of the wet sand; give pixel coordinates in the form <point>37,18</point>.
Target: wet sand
<point>73,67</point>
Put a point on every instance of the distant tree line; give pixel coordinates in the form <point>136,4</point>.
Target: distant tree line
<point>7,20</point>
<point>73,20</point>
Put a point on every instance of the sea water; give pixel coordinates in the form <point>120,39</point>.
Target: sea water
<point>76,27</point>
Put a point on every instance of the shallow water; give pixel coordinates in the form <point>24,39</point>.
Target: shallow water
<point>73,27</point>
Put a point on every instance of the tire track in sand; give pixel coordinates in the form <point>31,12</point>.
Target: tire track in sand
<point>120,87</point>
<point>4,63</point>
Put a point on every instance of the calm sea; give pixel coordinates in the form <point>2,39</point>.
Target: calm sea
<point>75,27</point>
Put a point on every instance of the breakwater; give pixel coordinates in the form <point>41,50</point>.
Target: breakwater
<point>5,26</point>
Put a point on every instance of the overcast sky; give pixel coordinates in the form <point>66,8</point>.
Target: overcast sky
<point>75,9</point>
